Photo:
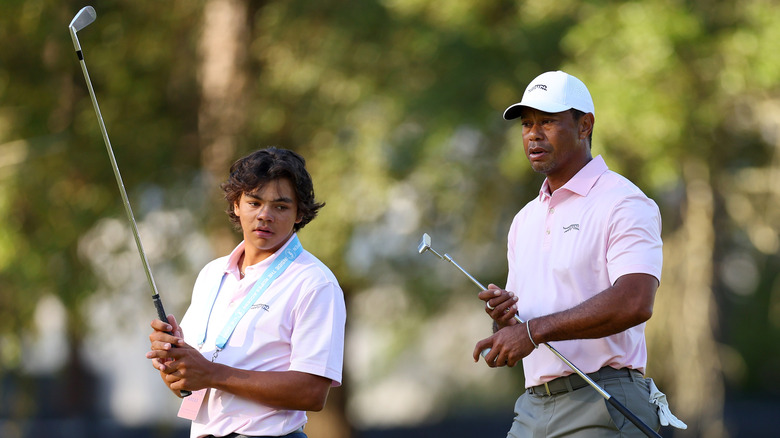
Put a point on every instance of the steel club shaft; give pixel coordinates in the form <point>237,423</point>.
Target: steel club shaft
<point>82,19</point>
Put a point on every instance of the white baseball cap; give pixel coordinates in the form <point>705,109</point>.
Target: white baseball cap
<point>553,92</point>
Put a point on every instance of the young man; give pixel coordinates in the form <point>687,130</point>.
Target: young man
<point>263,339</point>
<point>584,265</point>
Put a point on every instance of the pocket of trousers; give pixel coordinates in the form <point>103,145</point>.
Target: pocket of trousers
<point>634,395</point>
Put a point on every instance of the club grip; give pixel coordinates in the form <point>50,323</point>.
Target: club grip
<point>164,318</point>
<point>160,311</point>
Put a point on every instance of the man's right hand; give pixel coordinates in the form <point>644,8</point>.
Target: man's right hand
<point>500,304</point>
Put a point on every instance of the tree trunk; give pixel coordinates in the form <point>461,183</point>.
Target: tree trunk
<point>683,351</point>
<point>222,77</point>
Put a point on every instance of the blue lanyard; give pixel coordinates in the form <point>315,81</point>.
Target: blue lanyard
<point>278,266</point>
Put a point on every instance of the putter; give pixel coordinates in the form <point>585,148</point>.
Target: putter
<point>425,245</point>
<point>84,18</point>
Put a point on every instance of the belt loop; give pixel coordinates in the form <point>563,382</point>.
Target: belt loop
<point>567,380</point>
<point>547,388</point>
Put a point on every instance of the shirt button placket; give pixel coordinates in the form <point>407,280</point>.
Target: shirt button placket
<point>548,232</point>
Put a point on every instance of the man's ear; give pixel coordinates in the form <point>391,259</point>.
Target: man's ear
<point>586,125</point>
<point>236,204</point>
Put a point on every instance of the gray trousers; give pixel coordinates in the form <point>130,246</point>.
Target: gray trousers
<point>583,413</point>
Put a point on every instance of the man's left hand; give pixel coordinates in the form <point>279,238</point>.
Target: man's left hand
<point>507,346</point>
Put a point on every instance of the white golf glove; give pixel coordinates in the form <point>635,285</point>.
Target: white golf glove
<point>658,398</point>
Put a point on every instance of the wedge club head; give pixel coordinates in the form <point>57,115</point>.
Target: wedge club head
<point>83,18</point>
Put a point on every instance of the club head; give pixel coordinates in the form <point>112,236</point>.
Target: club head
<point>83,18</point>
<point>425,243</point>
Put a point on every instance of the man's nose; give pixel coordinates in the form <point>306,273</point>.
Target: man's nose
<point>265,213</point>
<point>534,132</point>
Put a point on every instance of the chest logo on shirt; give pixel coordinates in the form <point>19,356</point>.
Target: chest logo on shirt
<point>265,307</point>
<point>575,227</point>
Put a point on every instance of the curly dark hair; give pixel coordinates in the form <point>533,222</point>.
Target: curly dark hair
<point>254,171</point>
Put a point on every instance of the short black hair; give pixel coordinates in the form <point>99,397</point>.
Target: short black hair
<point>254,171</point>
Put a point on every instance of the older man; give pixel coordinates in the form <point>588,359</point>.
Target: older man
<point>584,265</point>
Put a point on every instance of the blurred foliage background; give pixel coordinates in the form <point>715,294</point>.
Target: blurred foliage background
<point>396,105</point>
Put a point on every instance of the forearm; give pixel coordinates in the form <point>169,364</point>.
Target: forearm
<point>624,305</point>
<point>281,390</point>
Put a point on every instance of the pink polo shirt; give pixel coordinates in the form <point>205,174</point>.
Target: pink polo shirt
<point>567,247</point>
<point>297,324</point>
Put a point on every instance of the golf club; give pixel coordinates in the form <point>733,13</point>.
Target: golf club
<point>84,18</point>
<point>425,245</point>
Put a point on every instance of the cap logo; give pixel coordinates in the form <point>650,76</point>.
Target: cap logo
<point>539,86</point>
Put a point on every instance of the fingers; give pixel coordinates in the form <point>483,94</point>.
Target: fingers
<point>168,362</point>
<point>501,307</point>
<point>486,295</point>
<point>497,357</point>
<point>163,332</point>
<point>164,365</point>
<point>161,359</point>
<point>481,346</point>
<point>170,327</point>
<point>492,353</point>
<point>493,357</point>
<point>160,326</point>
<point>161,346</point>
<point>157,339</point>
<point>491,292</point>
<point>494,296</point>
<point>164,349</point>
<point>507,306</point>
<point>175,328</point>
<point>507,317</point>
<point>160,365</point>
<point>503,348</point>
<point>156,363</point>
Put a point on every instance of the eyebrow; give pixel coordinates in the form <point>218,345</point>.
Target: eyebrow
<point>280,199</point>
